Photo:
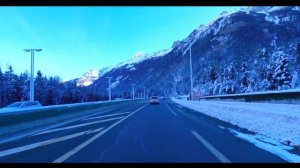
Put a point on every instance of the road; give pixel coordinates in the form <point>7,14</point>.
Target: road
<point>138,132</point>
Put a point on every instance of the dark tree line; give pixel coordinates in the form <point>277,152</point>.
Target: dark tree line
<point>47,90</point>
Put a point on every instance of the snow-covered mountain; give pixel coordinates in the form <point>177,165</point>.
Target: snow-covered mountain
<point>88,78</point>
<point>253,49</point>
<point>138,58</point>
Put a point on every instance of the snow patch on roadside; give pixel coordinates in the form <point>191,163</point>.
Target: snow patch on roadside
<point>278,121</point>
<point>270,145</point>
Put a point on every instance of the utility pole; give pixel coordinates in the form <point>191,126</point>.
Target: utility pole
<point>32,71</point>
<point>109,87</point>
<point>132,90</point>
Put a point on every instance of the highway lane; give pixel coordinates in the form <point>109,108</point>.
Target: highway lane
<point>166,133</point>
<point>55,148</point>
<point>137,133</point>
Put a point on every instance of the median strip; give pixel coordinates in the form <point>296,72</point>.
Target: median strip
<point>12,124</point>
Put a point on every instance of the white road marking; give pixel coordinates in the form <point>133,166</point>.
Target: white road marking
<point>84,144</point>
<point>47,142</point>
<point>105,116</point>
<point>32,133</point>
<point>211,148</point>
<point>171,110</point>
<point>76,126</point>
<point>178,106</point>
<point>95,130</point>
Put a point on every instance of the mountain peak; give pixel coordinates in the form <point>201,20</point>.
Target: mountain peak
<point>88,78</point>
<point>262,9</point>
<point>140,57</point>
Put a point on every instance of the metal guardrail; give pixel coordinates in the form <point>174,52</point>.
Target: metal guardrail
<point>252,97</point>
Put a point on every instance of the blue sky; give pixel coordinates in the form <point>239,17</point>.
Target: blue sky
<point>77,39</point>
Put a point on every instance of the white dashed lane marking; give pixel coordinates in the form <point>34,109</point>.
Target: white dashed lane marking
<point>173,112</point>
<point>211,148</point>
<point>103,116</point>
<point>47,142</point>
<point>76,126</point>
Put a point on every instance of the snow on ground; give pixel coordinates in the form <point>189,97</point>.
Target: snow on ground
<point>280,122</point>
<point>263,9</point>
<point>269,144</point>
<point>115,84</point>
<point>273,19</point>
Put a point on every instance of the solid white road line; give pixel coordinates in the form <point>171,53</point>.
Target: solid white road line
<point>47,142</point>
<point>178,106</point>
<point>32,133</point>
<point>212,149</point>
<point>84,144</point>
<point>105,116</point>
<point>76,126</point>
<point>171,110</point>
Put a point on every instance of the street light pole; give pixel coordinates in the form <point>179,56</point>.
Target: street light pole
<point>191,68</point>
<point>132,90</point>
<point>144,92</point>
<point>109,87</point>
<point>191,71</point>
<point>32,71</point>
<point>147,93</point>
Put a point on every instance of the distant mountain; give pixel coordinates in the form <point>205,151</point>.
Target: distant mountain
<point>88,78</point>
<point>253,49</point>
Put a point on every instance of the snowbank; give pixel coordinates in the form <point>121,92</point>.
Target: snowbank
<point>278,121</point>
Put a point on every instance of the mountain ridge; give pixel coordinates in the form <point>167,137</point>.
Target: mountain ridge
<point>229,43</point>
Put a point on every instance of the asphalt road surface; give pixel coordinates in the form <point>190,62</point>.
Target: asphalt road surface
<point>139,132</point>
